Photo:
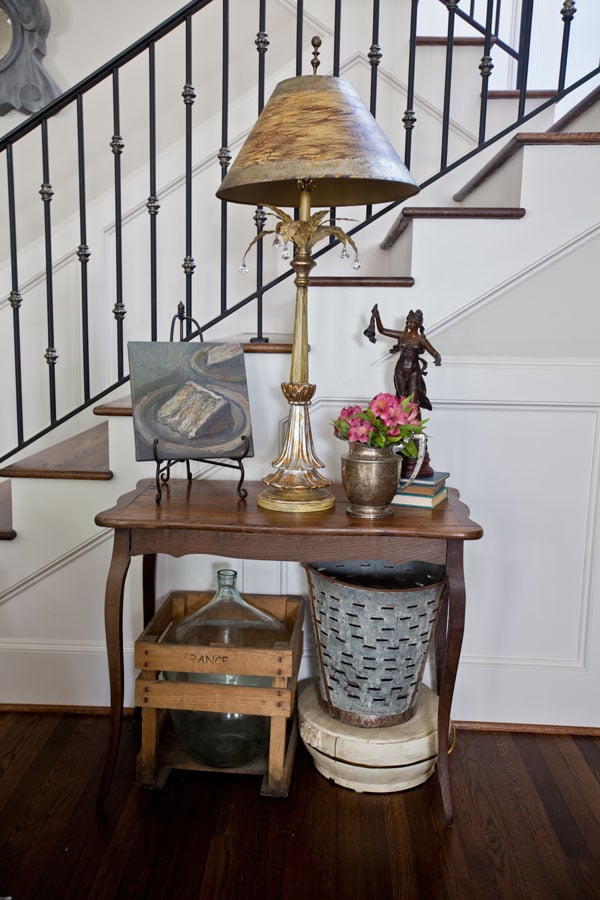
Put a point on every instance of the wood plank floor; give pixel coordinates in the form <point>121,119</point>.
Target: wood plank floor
<point>527,813</point>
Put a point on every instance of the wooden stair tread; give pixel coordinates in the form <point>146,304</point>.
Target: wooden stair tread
<point>523,138</point>
<point>363,281</point>
<point>119,407</point>
<point>555,138</point>
<point>6,530</point>
<point>433,40</point>
<point>447,212</point>
<point>277,343</point>
<point>514,94</point>
<point>82,457</point>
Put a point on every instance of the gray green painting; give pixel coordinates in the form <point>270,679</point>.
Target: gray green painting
<point>192,398</point>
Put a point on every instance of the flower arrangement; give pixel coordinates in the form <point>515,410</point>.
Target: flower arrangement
<point>386,420</point>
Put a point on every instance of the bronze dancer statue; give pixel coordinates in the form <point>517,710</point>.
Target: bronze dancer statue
<point>411,368</point>
<point>411,343</point>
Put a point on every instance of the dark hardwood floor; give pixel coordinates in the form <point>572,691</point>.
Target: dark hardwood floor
<point>527,825</point>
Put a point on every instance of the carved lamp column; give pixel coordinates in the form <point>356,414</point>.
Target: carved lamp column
<point>314,144</point>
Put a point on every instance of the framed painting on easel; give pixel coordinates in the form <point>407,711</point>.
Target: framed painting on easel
<point>190,400</point>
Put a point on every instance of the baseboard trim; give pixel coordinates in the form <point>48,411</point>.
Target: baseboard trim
<point>55,709</point>
<point>508,727</point>
<point>583,730</point>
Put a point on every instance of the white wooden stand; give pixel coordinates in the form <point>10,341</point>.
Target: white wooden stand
<point>376,760</point>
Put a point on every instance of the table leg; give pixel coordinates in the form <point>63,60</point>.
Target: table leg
<point>149,586</point>
<point>454,637</point>
<point>441,634</point>
<point>113,624</point>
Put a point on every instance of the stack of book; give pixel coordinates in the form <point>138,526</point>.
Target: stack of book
<point>423,492</point>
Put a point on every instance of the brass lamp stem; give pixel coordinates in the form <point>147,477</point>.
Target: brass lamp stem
<point>297,486</point>
<point>302,265</point>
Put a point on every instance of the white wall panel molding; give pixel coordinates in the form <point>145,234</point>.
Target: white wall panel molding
<point>16,645</point>
<point>39,278</point>
<point>511,662</point>
<point>548,259</point>
<point>53,567</point>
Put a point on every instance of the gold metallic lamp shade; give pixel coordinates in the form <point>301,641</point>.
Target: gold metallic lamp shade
<point>316,129</point>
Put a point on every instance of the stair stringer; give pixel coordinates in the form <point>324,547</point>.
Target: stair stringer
<point>558,213</point>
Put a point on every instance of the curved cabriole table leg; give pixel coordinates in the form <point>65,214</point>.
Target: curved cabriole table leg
<point>454,637</point>
<point>149,586</point>
<point>113,623</point>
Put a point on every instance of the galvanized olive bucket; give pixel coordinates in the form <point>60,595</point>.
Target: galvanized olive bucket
<point>373,623</point>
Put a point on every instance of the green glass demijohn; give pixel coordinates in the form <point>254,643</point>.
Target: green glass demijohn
<point>224,739</point>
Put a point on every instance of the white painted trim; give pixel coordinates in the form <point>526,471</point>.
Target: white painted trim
<point>539,265</point>
<point>55,566</point>
<point>515,362</point>
<point>15,645</point>
<point>39,278</point>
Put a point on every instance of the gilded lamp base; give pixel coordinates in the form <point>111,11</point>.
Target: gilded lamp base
<point>297,486</point>
<point>281,500</point>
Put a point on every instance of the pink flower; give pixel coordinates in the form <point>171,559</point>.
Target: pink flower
<point>349,412</point>
<point>386,420</point>
<point>412,410</point>
<point>381,403</point>
<point>393,410</point>
<point>360,431</point>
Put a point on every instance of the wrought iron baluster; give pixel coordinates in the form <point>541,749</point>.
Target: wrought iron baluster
<point>337,36</point>
<point>117,146</point>
<point>15,298</point>
<point>524,47</point>
<point>224,153</point>
<point>409,118</point>
<point>299,35</point>
<point>375,55</point>
<point>46,193</point>
<point>497,19</point>
<point>83,251</point>
<point>189,95</point>
<point>567,12</point>
<point>152,204</point>
<point>485,67</point>
<point>260,218</point>
<point>337,30</point>
<point>451,7</point>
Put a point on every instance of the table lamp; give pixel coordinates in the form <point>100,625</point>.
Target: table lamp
<point>314,144</point>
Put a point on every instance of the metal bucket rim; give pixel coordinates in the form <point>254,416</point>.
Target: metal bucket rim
<point>319,566</point>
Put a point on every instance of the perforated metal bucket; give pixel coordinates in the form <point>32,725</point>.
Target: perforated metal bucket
<point>373,624</point>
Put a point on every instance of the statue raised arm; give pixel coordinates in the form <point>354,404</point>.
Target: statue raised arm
<point>411,344</point>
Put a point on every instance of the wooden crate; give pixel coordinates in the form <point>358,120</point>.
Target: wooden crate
<point>160,751</point>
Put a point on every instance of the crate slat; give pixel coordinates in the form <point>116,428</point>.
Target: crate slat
<point>253,701</point>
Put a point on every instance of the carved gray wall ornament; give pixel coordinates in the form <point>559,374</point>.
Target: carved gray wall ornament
<point>24,84</point>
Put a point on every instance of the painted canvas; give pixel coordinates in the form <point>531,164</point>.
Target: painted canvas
<point>190,397</point>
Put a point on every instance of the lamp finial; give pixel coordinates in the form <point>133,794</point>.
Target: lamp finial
<point>315,61</point>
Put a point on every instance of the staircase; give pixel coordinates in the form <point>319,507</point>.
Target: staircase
<point>512,209</point>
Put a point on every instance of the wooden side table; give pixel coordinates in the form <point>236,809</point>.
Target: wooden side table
<point>208,517</point>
